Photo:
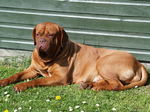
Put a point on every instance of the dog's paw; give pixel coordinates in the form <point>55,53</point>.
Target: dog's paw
<point>4,82</point>
<point>96,89</point>
<point>84,85</point>
<point>20,87</point>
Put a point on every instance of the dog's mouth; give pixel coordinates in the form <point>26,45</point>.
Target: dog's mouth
<point>48,52</point>
<point>42,53</point>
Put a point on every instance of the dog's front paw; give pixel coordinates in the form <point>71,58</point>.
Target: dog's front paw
<point>4,82</point>
<point>20,87</point>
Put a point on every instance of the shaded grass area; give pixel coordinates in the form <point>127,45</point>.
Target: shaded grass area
<point>42,99</point>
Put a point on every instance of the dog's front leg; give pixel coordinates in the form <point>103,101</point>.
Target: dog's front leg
<point>47,81</point>
<point>26,74</point>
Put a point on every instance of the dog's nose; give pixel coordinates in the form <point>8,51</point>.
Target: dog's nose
<point>42,40</point>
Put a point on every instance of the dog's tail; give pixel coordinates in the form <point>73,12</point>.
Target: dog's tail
<point>138,83</point>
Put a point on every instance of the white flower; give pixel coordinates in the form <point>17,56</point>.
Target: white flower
<point>49,110</point>
<point>6,100</point>
<point>19,108</point>
<point>47,100</point>
<point>30,108</point>
<point>76,107</point>
<point>70,109</point>
<point>84,102</point>
<point>113,109</point>
<point>82,111</point>
<point>8,95</point>
<point>136,87</point>
<point>6,92</point>
<point>15,110</point>
<point>97,105</point>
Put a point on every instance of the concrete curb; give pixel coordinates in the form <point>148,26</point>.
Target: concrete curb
<point>18,53</point>
<point>13,53</point>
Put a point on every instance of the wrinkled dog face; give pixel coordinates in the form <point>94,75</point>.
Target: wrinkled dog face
<point>48,39</point>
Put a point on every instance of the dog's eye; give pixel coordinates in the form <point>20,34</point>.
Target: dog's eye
<point>50,35</point>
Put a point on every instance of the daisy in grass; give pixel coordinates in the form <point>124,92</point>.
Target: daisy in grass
<point>97,105</point>
<point>84,102</point>
<point>70,109</point>
<point>76,107</point>
<point>49,110</point>
<point>113,109</point>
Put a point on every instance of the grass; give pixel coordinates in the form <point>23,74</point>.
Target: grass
<point>73,99</point>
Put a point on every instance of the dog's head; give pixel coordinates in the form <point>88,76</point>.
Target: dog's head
<point>49,39</point>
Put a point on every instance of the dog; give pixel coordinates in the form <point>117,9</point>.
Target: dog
<point>64,62</point>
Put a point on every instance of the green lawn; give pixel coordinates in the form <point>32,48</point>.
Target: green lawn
<point>43,99</point>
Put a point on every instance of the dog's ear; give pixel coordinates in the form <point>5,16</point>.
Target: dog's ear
<point>34,35</point>
<point>63,37</point>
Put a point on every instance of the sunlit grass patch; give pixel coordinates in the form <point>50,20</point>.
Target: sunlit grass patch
<point>68,98</point>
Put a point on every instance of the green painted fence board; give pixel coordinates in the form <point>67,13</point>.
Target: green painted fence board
<point>15,33</point>
<point>99,39</point>
<point>81,21</point>
<point>135,8</point>
<point>83,6</point>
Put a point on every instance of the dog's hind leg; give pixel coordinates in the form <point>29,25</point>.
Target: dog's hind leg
<point>107,85</point>
<point>102,85</point>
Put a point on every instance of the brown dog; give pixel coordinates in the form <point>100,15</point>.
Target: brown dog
<point>62,62</point>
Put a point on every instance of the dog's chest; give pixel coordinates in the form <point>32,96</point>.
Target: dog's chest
<point>45,73</point>
<point>44,69</point>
